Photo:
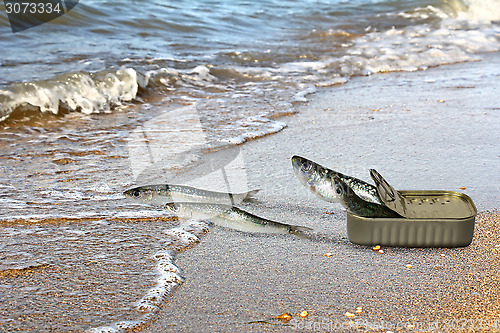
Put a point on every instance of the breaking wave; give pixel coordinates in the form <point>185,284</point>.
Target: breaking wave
<point>419,38</point>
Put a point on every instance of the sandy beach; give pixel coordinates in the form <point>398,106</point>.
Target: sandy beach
<point>433,129</point>
<point>219,95</point>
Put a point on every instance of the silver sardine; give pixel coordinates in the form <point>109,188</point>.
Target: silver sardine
<point>356,205</point>
<point>232,217</point>
<point>159,195</point>
<point>320,181</point>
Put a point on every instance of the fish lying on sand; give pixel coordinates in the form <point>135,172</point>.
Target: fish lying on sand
<point>353,203</point>
<point>159,195</point>
<point>232,217</point>
<point>320,181</point>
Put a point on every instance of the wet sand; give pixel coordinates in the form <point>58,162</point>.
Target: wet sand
<point>434,129</point>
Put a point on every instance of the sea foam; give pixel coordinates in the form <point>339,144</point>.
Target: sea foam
<point>84,92</point>
<point>168,277</point>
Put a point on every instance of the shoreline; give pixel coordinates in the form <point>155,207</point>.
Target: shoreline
<point>421,130</point>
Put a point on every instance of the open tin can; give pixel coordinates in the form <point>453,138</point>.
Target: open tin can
<point>428,219</point>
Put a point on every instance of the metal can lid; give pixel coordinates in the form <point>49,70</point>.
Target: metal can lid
<point>392,198</point>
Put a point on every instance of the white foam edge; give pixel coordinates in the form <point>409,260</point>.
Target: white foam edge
<point>301,95</point>
<point>169,276</point>
<point>416,48</point>
<point>265,126</point>
<point>87,215</point>
<point>86,92</point>
<point>199,75</point>
<point>483,11</point>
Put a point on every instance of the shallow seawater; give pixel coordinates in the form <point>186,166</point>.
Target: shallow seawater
<point>119,93</point>
<point>71,275</point>
<point>103,54</point>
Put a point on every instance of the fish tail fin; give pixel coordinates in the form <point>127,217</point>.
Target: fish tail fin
<point>250,197</point>
<point>298,231</point>
<point>300,228</point>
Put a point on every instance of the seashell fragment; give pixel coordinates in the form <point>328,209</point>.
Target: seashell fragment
<point>349,315</point>
<point>285,316</point>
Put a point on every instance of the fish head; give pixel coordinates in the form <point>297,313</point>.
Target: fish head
<point>139,193</point>
<point>149,194</point>
<point>306,170</point>
<point>340,187</point>
<point>342,190</point>
<point>172,207</point>
<point>300,163</point>
<point>348,197</point>
<point>194,210</point>
<point>316,178</point>
<point>181,209</point>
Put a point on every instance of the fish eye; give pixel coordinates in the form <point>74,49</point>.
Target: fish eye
<point>307,166</point>
<point>136,194</point>
<point>173,208</point>
<point>338,190</point>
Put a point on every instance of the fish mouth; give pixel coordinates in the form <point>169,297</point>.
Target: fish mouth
<point>297,162</point>
<point>304,169</point>
<point>298,169</point>
<point>302,165</point>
